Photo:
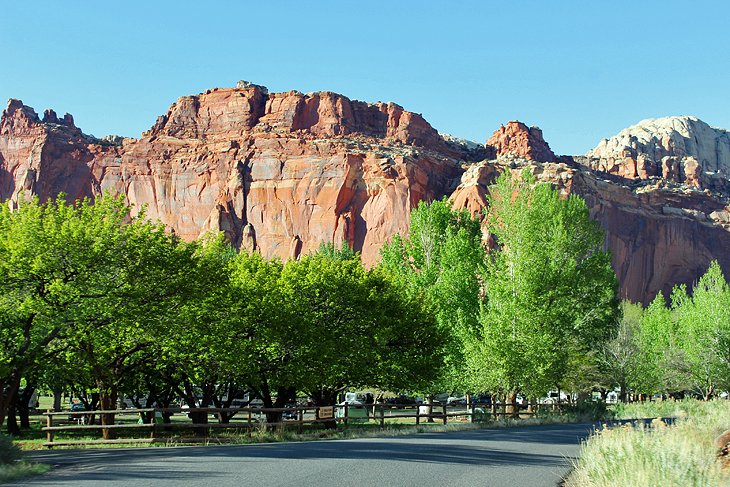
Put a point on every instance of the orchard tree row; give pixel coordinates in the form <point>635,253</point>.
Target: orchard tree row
<point>99,302</point>
<point>102,303</point>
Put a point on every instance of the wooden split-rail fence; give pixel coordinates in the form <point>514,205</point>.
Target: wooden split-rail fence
<point>249,419</point>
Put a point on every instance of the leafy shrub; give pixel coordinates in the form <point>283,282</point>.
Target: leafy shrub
<point>589,411</point>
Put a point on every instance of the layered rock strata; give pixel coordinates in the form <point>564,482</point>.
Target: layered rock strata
<point>659,235</point>
<point>278,172</point>
<point>283,172</point>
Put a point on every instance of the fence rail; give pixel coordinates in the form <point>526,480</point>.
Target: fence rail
<point>252,418</point>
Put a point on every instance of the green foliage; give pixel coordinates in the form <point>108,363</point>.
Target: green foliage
<point>687,345</point>
<point>354,327</point>
<point>9,452</point>
<point>622,360</point>
<point>551,292</point>
<point>589,411</point>
<point>439,265</point>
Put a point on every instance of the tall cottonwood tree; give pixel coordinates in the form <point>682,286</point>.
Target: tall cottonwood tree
<point>686,346</point>
<point>550,290</point>
<point>439,263</point>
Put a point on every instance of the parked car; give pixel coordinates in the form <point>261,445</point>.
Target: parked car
<point>290,413</point>
<point>75,416</point>
<point>456,400</point>
<point>402,400</point>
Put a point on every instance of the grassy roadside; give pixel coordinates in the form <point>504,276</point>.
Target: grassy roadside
<point>679,454</point>
<point>12,465</point>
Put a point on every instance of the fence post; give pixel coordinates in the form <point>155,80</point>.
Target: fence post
<point>418,414</point>
<point>347,411</point>
<point>250,426</point>
<point>444,408</point>
<point>49,424</point>
<point>382,416</point>
<point>153,423</point>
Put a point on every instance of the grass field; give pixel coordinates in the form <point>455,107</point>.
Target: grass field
<point>677,454</point>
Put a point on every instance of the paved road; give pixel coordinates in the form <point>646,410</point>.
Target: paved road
<point>527,456</point>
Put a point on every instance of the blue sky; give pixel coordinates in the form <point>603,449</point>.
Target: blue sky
<point>579,70</point>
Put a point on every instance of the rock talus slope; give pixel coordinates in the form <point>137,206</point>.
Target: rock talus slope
<point>283,172</point>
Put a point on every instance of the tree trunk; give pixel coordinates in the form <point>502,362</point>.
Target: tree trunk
<point>163,400</point>
<point>22,405</point>
<point>604,395</point>
<point>57,399</point>
<point>108,401</point>
<point>511,405</point>
<point>622,396</point>
<point>13,429</point>
<point>8,389</point>
<point>283,396</point>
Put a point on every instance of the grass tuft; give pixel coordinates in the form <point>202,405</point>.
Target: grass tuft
<point>20,470</point>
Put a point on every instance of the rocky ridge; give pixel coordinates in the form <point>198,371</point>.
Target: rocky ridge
<point>282,172</point>
<point>658,235</point>
<point>684,150</point>
<point>278,172</point>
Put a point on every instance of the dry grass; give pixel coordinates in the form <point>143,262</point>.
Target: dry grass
<point>679,454</point>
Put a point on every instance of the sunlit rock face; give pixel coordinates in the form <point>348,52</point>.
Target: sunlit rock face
<point>283,172</point>
<point>518,140</point>
<point>679,149</point>
<point>658,234</point>
<point>278,172</point>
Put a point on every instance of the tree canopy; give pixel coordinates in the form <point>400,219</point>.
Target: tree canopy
<point>550,290</point>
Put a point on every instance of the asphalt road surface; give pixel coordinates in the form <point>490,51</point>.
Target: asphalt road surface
<point>526,456</point>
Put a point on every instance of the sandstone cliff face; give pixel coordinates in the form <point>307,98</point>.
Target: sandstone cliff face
<point>277,172</point>
<point>680,149</point>
<point>519,140</point>
<point>658,235</point>
<point>283,172</point>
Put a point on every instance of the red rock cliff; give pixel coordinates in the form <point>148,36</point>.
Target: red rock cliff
<point>519,140</point>
<point>659,235</point>
<point>278,172</point>
<point>284,172</point>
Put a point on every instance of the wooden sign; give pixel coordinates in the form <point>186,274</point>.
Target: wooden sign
<point>327,412</point>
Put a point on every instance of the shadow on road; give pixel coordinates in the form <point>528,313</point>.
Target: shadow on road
<point>475,447</point>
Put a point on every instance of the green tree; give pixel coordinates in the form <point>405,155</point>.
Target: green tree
<point>551,292</point>
<point>622,357</point>
<point>53,259</point>
<point>704,332</point>
<point>264,331</point>
<point>355,328</point>
<point>439,264</point>
<point>686,344</point>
